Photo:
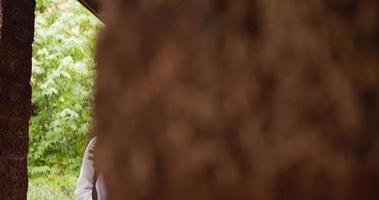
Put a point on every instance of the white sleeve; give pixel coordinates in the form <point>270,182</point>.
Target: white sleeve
<point>85,181</point>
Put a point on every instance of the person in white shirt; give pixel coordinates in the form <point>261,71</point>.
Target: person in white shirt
<point>90,185</point>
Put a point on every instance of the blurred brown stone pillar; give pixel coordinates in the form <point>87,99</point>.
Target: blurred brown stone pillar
<point>239,99</point>
<point>16,36</point>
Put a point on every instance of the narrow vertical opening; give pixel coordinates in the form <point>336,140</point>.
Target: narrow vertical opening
<point>62,85</point>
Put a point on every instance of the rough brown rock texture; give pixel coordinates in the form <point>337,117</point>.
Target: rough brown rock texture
<point>16,36</point>
<point>239,99</point>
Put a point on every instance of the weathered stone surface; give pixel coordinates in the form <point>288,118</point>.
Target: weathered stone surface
<point>13,140</point>
<point>16,36</point>
<point>13,176</point>
<point>239,99</point>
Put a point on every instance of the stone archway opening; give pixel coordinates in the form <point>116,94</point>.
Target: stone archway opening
<point>276,102</point>
<point>62,81</point>
<point>17,23</point>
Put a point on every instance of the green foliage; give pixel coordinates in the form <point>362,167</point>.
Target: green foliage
<point>62,188</point>
<point>62,81</point>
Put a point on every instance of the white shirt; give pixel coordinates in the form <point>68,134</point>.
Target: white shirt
<point>87,175</point>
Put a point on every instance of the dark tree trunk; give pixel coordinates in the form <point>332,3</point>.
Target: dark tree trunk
<point>239,99</point>
<point>16,36</point>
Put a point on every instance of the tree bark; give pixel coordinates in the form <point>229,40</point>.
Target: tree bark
<point>16,36</point>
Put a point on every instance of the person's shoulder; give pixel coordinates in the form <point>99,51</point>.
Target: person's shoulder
<point>92,142</point>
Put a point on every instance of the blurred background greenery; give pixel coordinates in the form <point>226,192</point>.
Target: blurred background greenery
<point>62,82</point>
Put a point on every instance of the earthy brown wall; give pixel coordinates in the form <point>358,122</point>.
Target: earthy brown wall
<point>239,99</point>
<point>16,36</point>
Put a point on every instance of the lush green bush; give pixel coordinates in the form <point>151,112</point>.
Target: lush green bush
<point>62,81</point>
<point>51,188</point>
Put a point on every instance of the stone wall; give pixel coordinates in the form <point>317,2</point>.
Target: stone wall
<point>16,36</point>
<point>239,99</point>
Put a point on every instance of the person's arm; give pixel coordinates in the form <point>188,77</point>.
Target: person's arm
<point>85,181</point>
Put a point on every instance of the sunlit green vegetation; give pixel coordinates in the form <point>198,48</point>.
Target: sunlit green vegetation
<point>62,82</point>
